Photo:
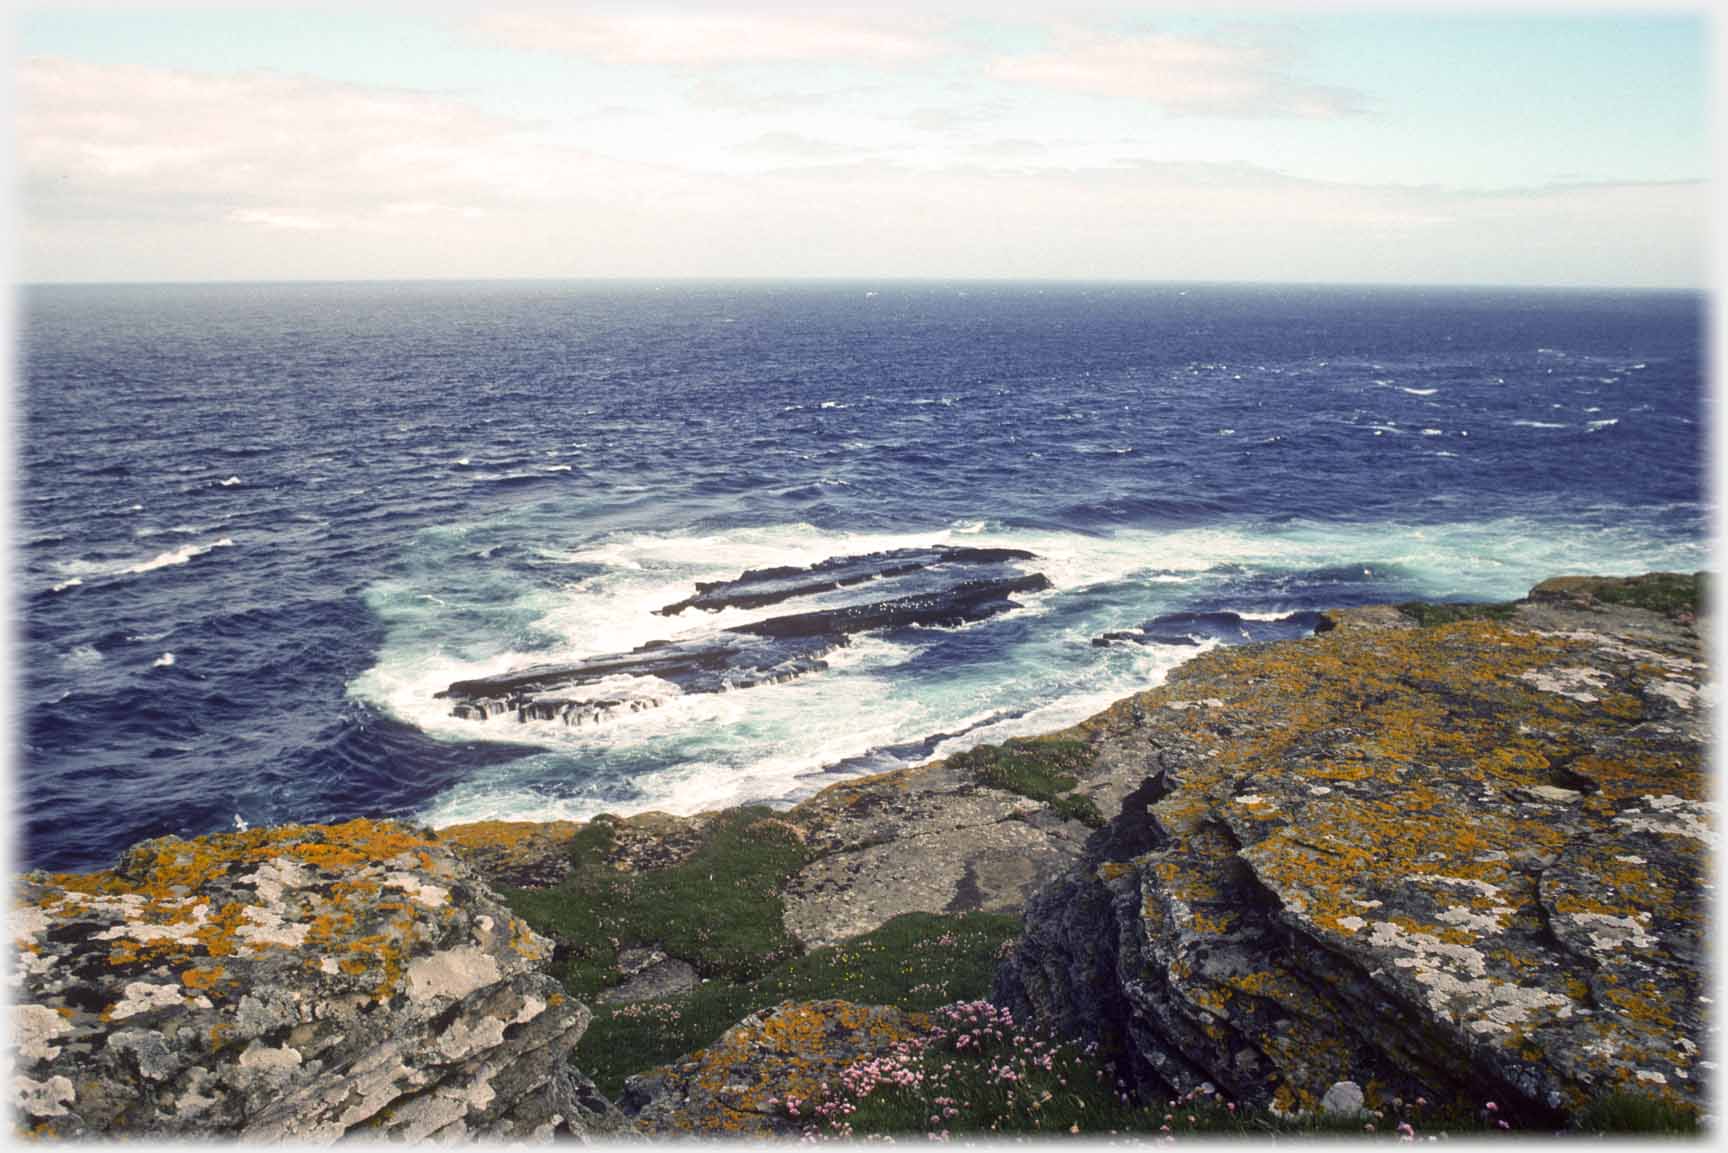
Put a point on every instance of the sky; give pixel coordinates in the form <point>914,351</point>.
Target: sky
<point>1564,146</point>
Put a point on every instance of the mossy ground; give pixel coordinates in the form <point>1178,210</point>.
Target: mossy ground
<point>1428,615</point>
<point>1675,595</point>
<point>1635,1113</point>
<point>917,961</point>
<point>1667,593</point>
<point>1040,769</point>
<point>719,909</point>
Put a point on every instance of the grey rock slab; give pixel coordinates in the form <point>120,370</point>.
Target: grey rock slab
<point>992,868</point>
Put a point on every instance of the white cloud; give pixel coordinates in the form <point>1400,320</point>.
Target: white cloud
<point>138,173</point>
<point>1183,75</point>
<point>713,38</point>
<point>271,150</point>
<point>796,145</point>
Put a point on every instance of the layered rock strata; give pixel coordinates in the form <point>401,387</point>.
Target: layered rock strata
<point>301,982</point>
<point>1463,862</point>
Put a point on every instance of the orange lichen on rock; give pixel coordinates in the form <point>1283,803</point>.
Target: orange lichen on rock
<point>1492,829</point>
<point>786,1052</point>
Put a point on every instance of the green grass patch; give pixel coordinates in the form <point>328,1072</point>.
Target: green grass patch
<point>1077,807</point>
<point>719,909</point>
<point>917,961</point>
<point>1043,770</point>
<point>1637,1113</point>
<point>1664,592</point>
<point>1429,615</point>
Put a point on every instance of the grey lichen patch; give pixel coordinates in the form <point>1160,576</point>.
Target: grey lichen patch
<point>144,997</point>
<point>286,983</point>
<point>450,974</point>
<point>1413,857</point>
<point>1578,683</point>
<point>1671,816</point>
<point>42,1099</point>
<point>34,1029</point>
<point>1610,934</point>
<point>270,1059</point>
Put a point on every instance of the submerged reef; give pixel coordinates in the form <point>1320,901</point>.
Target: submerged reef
<point>1448,854</point>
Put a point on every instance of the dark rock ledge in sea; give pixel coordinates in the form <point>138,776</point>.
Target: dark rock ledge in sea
<point>758,587</point>
<point>762,652</point>
<point>1447,851</point>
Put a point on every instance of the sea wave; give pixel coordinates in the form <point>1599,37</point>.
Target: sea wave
<point>1034,669</point>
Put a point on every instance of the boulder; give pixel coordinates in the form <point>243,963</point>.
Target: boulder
<point>302,982</point>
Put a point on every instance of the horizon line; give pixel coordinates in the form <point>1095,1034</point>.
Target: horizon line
<point>1697,290</point>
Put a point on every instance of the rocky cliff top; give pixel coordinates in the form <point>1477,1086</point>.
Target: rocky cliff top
<point>1466,858</point>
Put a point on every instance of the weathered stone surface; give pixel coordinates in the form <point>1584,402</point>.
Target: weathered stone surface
<point>990,867</point>
<point>1463,862</point>
<point>299,982</point>
<point>926,839</point>
<point>650,976</point>
<point>732,1087</point>
<point>758,587</point>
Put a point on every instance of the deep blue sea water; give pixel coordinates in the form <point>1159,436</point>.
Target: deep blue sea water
<point>260,525</point>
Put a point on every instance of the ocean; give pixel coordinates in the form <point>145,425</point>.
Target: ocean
<point>260,526</point>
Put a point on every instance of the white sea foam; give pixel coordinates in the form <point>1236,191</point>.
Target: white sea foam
<point>166,660</point>
<point>178,556</point>
<point>1537,424</point>
<point>1600,424</point>
<point>1419,391</point>
<point>122,567</point>
<point>82,657</point>
<point>1432,432</point>
<point>700,750</point>
<point>64,585</point>
<point>231,482</point>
